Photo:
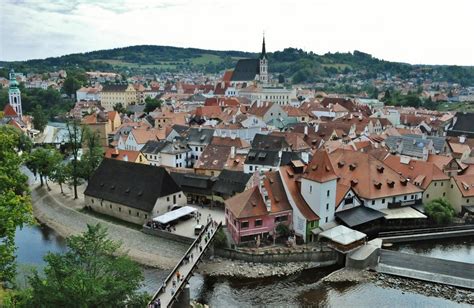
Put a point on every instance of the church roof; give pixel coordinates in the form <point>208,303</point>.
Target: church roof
<point>9,111</point>
<point>246,70</point>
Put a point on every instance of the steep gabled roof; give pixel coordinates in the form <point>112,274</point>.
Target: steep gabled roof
<point>8,111</point>
<point>134,185</point>
<point>320,168</point>
<point>246,70</point>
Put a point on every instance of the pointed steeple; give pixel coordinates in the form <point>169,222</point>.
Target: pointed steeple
<point>264,52</point>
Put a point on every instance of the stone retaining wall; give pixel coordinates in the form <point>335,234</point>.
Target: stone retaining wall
<point>168,235</point>
<point>307,256</point>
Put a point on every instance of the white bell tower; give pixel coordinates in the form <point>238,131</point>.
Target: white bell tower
<point>14,94</point>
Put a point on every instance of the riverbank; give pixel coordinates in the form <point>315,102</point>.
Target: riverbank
<point>406,285</point>
<point>59,213</point>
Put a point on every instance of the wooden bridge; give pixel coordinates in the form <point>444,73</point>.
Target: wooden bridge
<point>168,293</point>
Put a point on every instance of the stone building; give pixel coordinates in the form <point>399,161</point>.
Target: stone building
<point>132,192</point>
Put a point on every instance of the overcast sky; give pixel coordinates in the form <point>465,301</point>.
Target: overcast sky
<point>413,31</point>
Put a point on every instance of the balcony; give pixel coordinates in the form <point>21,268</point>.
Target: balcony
<point>398,204</point>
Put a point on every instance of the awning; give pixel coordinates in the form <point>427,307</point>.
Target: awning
<point>359,215</point>
<point>343,235</point>
<point>468,208</point>
<point>402,213</point>
<point>173,215</point>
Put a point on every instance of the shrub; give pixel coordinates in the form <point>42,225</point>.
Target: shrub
<point>440,210</point>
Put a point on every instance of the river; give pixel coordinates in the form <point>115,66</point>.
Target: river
<point>297,290</point>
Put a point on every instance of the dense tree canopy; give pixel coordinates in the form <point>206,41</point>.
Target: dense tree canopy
<point>440,210</point>
<point>15,205</point>
<point>91,273</point>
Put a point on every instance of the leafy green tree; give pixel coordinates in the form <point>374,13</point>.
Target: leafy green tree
<point>152,104</point>
<point>94,153</point>
<point>39,118</point>
<point>60,175</point>
<point>440,210</point>
<point>75,139</point>
<point>220,239</point>
<point>15,203</point>
<point>282,229</point>
<point>92,273</point>
<point>43,161</point>
<point>120,108</point>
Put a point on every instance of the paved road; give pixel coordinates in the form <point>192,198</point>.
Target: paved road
<point>52,209</point>
<point>427,264</point>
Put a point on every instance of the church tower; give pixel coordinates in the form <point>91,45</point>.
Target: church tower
<point>14,94</point>
<point>263,64</point>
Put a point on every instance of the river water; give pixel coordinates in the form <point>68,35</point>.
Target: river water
<point>297,290</point>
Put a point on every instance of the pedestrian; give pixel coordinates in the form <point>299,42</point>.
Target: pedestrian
<point>178,275</point>
<point>158,301</point>
<point>163,287</point>
<point>174,283</point>
<point>172,291</point>
<point>200,248</point>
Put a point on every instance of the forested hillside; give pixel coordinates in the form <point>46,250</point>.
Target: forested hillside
<point>293,63</point>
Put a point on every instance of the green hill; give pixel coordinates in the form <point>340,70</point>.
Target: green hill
<point>301,66</point>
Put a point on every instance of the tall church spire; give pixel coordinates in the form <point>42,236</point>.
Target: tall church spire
<point>264,52</point>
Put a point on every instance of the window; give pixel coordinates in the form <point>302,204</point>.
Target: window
<point>179,195</point>
<point>168,199</point>
<point>146,216</point>
<point>92,200</point>
<point>281,218</point>
<point>244,224</point>
<point>120,209</point>
<point>436,183</point>
<point>467,200</point>
<point>383,200</point>
<point>404,197</point>
<point>444,194</point>
<point>373,202</point>
<point>427,196</point>
<point>442,183</point>
<point>129,212</point>
<point>412,197</point>
<point>326,219</point>
<point>327,206</point>
<point>328,192</point>
<point>452,186</point>
<point>251,168</point>
<point>138,214</point>
<point>110,205</point>
<point>310,188</point>
<point>258,223</point>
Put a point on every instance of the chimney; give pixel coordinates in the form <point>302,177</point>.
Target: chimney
<point>306,130</point>
<point>232,152</point>
<point>462,139</point>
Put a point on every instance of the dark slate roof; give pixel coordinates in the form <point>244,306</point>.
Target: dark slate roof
<point>246,69</point>
<point>180,129</point>
<point>134,185</point>
<point>194,183</point>
<point>136,108</point>
<point>358,215</point>
<point>412,145</point>
<point>231,182</point>
<point>287,157</point>
<point>263,157</point>
<point>196,135</point>
<point>114,87</point>
<point>462,124</point>
<point>153,147</point>
<point>269,142</point>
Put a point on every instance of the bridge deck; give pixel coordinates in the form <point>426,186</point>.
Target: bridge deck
<point>426,268</point>
<point>168,292</point>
